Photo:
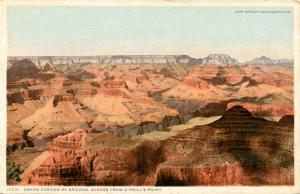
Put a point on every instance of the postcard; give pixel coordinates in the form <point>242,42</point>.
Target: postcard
<point>149,97</point>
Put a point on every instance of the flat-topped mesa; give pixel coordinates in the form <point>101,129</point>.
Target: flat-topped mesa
<point>140,59</point>
<point>220,59</point>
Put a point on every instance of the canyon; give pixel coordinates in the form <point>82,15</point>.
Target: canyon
<point>159,120</point>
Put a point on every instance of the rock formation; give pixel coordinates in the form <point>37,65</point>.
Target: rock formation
<point>22,69</point>
<point>263,60</point>
<point>49,63</point>
<point>219,59</point>
<point>117,59</point>
<point>126,113</point>
<point>237,149</point>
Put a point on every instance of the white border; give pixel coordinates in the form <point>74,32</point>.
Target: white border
<point>193,190</point>
<point>3,65</point>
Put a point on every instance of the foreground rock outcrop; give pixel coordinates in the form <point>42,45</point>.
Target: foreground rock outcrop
<point>237,149</point>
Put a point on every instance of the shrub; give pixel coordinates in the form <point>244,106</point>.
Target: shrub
<point>13,171</point>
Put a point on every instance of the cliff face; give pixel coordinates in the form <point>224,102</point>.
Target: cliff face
<point>84,158</point>
<point>237,149</point>
<point>219,59</point>
<point>23,95</point>
<point>50,62</point>
<point>24,83</point>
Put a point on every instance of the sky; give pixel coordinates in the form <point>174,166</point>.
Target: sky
<point>116,30</point>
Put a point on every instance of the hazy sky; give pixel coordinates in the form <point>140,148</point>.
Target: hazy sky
<point>196,31</point>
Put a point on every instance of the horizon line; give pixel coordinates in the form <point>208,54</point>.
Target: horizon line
<point>148,55</point>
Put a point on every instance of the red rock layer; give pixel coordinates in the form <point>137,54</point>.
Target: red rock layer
<point>23,83</point>
<point>22,95</point>
<point>64,97</point>
<point>113,92</point>
<point>196,83</point>
<point>235,150</point>
<point>113,84</point>
<point>82,158</point>
<point>265,109</point>
<point>59,80</point>
<point>84,91</point>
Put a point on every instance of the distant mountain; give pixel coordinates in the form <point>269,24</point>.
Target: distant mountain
<point>263,60</point>
<point>185,59</point>
<point>283,62</point>
<point>41,61</point>
<point>218,59</point>
<point>51,62</point>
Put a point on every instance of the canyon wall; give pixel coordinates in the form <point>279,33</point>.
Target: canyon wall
<point>237,149</point>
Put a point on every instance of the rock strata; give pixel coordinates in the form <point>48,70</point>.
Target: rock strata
<point>237,149</point>
<point>219,59</point>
